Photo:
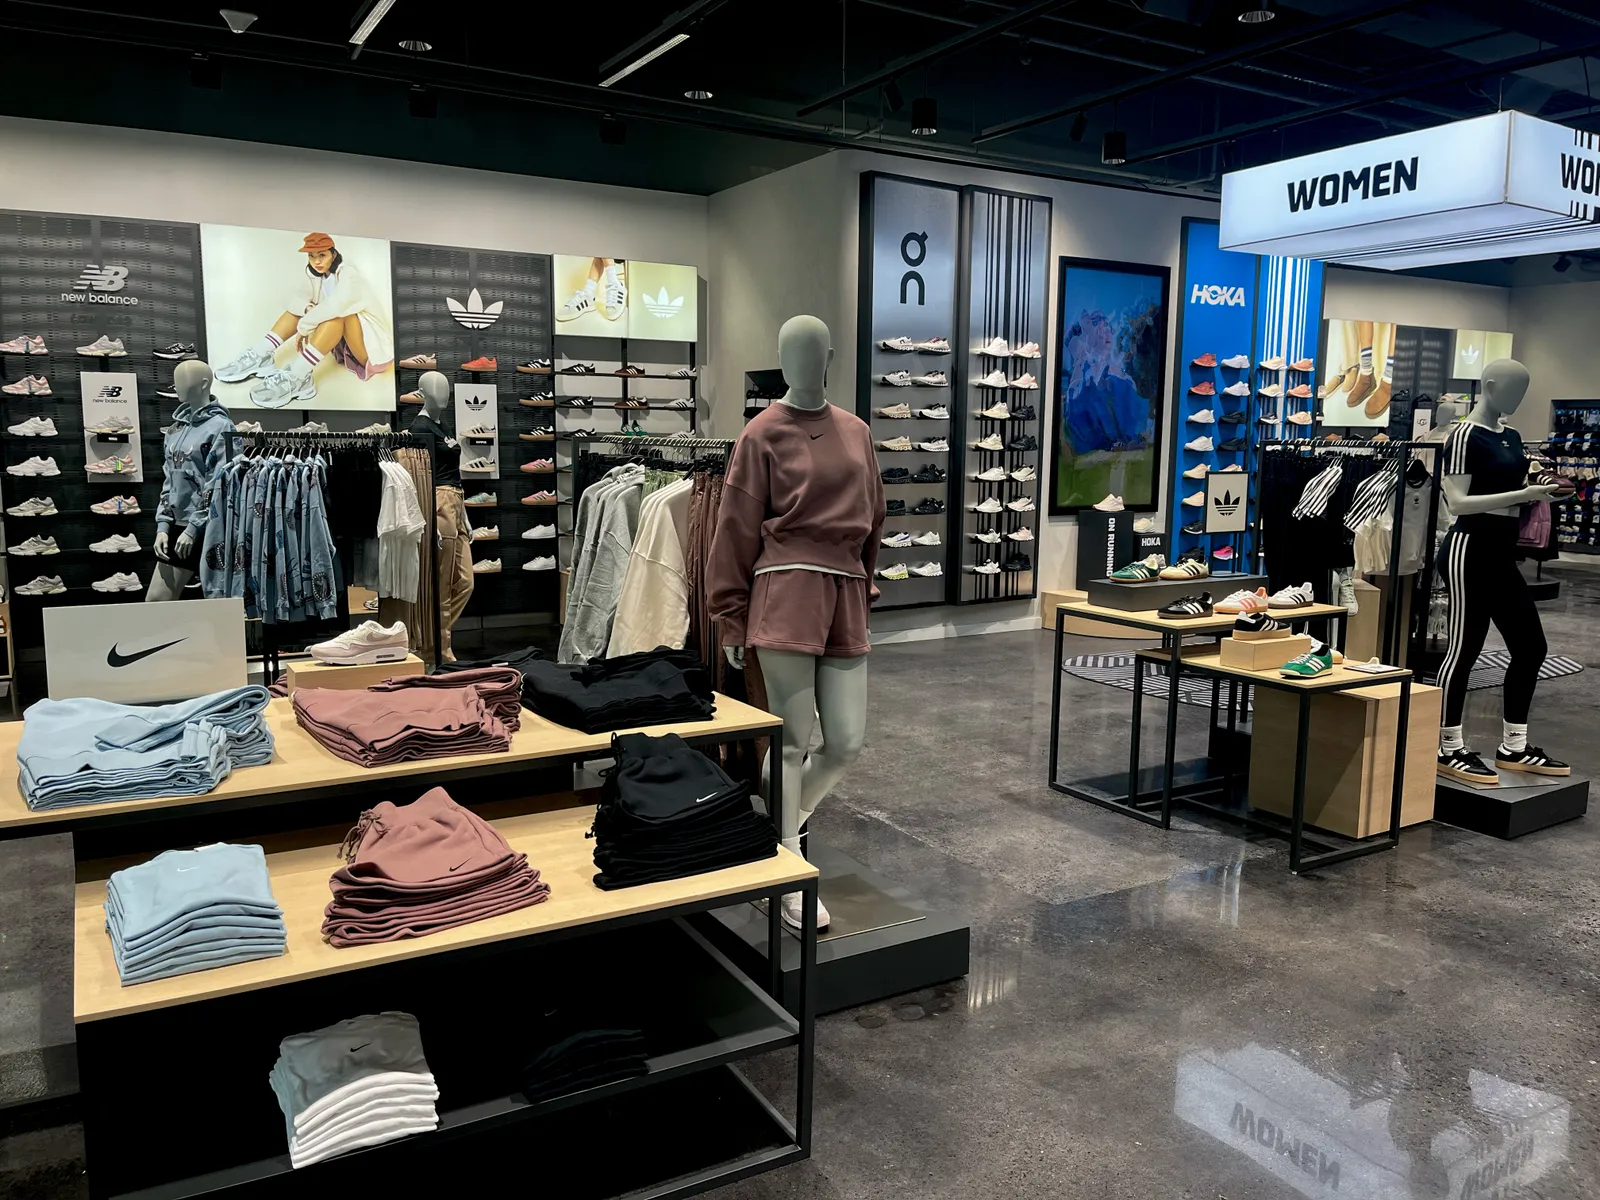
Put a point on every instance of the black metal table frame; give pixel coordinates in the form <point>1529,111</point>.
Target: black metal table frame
<point>1137,804</point>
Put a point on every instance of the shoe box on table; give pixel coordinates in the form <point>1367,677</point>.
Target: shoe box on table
<point>1264,654</point>
<point>1158,593</point>
<point>350,678</point>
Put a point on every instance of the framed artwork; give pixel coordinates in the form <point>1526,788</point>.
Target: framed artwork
<point>1111,363</point>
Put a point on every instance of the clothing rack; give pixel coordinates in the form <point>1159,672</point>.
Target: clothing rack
<point>268,440</point>
<point>1408,452</point>
<point>703,447</point>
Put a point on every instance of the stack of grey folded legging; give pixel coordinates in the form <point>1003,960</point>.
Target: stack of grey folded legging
<point>85,751</point>
<point>422,867</point>
<point>191,910</point>
<point>359,1083</point>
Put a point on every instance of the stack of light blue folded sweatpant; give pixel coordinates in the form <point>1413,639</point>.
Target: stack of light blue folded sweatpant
<point>85,751</point>
<point>191,910</point>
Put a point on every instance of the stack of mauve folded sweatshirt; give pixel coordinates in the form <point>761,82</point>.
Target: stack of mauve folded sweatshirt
<point>473,712</point>
<point>423,867</point>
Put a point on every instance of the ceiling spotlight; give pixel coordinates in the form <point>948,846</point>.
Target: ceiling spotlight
<point>1564,263</point>
<point>924,116</point>
<point>205,72</point>
<point>613,130</point>
<point>415,45</point>
<point>1114,148</point>
<point>893,97</point>
<point>697,93</point>
<point>237,21</point>
<point>424,102</point>
<point>1256,12</point>
<point>1080,126</point>
<point>644,59</point>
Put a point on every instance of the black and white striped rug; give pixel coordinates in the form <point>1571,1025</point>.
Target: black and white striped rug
<point>1116,670</point>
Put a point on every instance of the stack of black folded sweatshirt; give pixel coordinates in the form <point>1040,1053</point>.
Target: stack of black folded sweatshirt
<point>511,658</point>
<point>667,811</point>
<point>584,1059</point>
<point>653,687</point>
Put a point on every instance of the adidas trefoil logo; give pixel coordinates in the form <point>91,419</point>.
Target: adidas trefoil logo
<point>474,314</point>
<point>662,307</point>
<point>475,403</point>
<point>1227,504</point>
<point>1470,354</point>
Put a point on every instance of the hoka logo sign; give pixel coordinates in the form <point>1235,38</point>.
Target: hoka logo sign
<point>1210,293</point>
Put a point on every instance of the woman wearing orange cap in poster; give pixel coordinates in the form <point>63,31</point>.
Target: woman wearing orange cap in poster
<point>335,313</point>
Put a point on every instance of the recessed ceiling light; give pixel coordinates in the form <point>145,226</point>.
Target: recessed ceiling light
<point>697,93</point>
<point>237,21</point>
<point>1256,12</point>
<point>415,45</point>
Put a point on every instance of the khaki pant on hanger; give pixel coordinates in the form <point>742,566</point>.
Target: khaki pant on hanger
<point>455,562</point>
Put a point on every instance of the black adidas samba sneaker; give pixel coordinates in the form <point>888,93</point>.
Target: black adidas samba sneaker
<point>1466,767</point>
<point>1187,607</point>
<point>1531,759</point>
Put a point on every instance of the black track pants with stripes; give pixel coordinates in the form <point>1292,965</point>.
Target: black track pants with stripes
<point>1480,570</point>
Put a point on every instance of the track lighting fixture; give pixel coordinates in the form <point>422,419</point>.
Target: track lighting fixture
<point>1114,148</point>
<point>924,116</point>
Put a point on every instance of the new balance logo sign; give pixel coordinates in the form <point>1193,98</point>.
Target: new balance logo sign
<point>474,314</point>
<point>662,307</point>
<point>1210,293</point>
<point>1226,504</point>
<point>111,393</point>
<point>98,285</point>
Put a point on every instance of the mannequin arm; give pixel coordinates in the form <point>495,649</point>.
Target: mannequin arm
<point>1455,491</point>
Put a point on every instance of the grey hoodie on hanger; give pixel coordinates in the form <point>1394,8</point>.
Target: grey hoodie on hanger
<point>190,459</point>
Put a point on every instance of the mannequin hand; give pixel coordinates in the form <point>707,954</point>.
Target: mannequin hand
<point>160,545</point>
<point>1539,491</point>
<point>185,544</point>
<point>735,656</point>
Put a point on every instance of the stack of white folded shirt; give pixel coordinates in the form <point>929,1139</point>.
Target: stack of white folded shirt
<point>359,1083</point>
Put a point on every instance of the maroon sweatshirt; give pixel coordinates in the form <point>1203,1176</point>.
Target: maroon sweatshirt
<point>802,487</point>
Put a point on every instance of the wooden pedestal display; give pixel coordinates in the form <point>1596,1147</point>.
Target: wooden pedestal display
<point>1350,765</point>
<point>1050,601</point>
<point>331,675</point>
<point>1265,654</point>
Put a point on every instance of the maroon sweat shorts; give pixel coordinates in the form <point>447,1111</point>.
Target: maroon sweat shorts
<point>810,612</point>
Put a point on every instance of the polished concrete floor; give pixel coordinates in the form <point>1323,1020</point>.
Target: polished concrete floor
<point>1149,1014</point>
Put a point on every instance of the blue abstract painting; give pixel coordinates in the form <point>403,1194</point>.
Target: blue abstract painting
<point>1111,360</point>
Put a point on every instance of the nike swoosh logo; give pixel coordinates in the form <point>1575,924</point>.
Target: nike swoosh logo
<point>461,864</point>
<point>363,1046</point>
<point>704,798</point>
<point>183,870</point>
<point>114,658</point>
<point>815,436</point>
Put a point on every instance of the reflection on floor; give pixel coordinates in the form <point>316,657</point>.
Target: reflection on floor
<point>1150,1015</point>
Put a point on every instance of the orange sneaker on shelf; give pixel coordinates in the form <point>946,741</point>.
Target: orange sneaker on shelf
<point>1304,364</point>
<point>1300,391</point>
<point>481,363</point>
<point>415,397</point>
<point>1206,388</point>
<point>1205,360</point>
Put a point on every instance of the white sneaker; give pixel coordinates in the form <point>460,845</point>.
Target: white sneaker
<point>992,442</point>
<point>117,543</point>
<point>112,426</point>
<point>895,571</point>
<point>368,642</point>
<point>1204,417</point>
<point>43,585</point>
<point>897,378</point>
<point>1145,525</point>
<point>36,545</point>
<point>901,345</point>
<point>928,570</point>
<point>579,303</point>
<point>1275,363</point>
<point>489,533</point>
<point>987,568</point>
<point>613,294</point>
<point>1198,500</point>
<point>1199,472</point>
<point>931,379</point>
<point>122,581</point>
<point>987,505</point>
<point>248,427</point>
<point>1295,418</point>
<point>1200,445</point>
<point>1112,503</point>
<point>117,506</point>
<point>475,431</point>
<point>1024,475</point>
<point>251,362</point>
<point>996,411</point>
<point>1272,391</point>
<point>115,464</point>
<point>280,386</point>
<point>992,475</point>
<point>995,379</point>
<point>790,911</point>
<point>34,506</point>
<point>937,345</point>
<point>928,537</point>
<point>1292,597</point>
<point>934,412</point>
<point>1026,504</point>
<point>540,563</point>
<point>897,541</point>
<point>988,536</point>
<point>1237,389</point>
<point>489,566</point>
<point>539,532</point>
<point>1026,383</point>
<point>996,348</point>
<point>896,412</point>
<point>1239,362</point>
<point>1021,535</point>
<point>934,446</point>
<point>895,443</point>
<point>477,464</point>
<point>104,347</point>
<point>35,466</point>
<point>1026,350</point>
<point>34,427</point>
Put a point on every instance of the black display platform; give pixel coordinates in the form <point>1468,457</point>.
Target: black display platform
<point>1138,597</point>
<point>1514,808</point>
<point>884,938</point>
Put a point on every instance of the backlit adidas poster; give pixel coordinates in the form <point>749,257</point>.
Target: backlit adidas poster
<point>663,302</point>
<point>1476,349</point>
<point>1225,501</point>
<point>591,295</point>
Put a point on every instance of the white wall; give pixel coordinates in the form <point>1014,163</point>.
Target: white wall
<point>1410,300</point>
<point>791,240</point>
<point>1554,330</point>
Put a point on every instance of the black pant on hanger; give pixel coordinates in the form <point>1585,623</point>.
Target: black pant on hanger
<point>1479,565</point>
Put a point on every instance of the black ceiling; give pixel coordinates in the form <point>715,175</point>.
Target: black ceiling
<point>1195,90</point>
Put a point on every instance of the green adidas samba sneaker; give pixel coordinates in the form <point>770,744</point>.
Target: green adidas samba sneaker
<point>1316,661</point>
<point>1139,572</point>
